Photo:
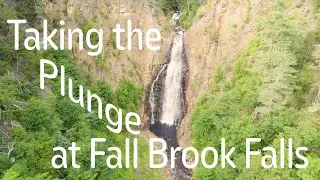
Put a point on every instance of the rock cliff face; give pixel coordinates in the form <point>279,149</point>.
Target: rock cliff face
<point>135,65</point>
<point>222,29</point>
<point>215,39</point>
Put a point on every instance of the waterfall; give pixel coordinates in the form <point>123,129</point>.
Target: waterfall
<point>166,99</point>
<point>152,98</point>
<point>172,97</point>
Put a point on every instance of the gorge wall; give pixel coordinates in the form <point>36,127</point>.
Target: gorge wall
<point>234,24</point>
<point>135,65</point>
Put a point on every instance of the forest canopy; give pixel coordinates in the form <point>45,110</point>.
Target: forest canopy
<point>33,121</point>
<point>271,93</point>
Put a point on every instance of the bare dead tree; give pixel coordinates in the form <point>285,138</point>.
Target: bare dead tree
<point>10,148</point>
<point>255,115</point>
<point>7,145</point>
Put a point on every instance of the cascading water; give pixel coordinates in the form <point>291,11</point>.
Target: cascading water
<point>166,98</point>
<point>172,97</point>
<point>152,95</point>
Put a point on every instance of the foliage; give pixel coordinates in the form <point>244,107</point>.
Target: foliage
<point>316,35</point>
<point>31,10</point>
<point>100,61</point>
<point>214,35</point>
<point>187,8</point>
<point>112,39</point>
<point>316,4</point>
<point>128,95</point>
<point>86,26</point>
<point>5,164</point>
<point>168,5</point>
<point>40,120</point>
<point>276,63</point>
<point>38,115</point>
<point>264,96</point>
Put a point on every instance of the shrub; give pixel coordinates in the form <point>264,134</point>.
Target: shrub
<point>168,5</point>
<point>112,39</point>
<point>32,10</point>
<point>316,4</point>
<point>128,95</point>
<point>86,26</point>
<point>188,10</point>
<point>40,115</point>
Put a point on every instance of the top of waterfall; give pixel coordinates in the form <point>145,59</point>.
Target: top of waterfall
<point>175,19</point>
<point>176,16</point>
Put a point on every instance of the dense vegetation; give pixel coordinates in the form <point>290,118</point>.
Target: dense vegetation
<point>187,9</point>
<point>34,121</point>
<point>272,94</point>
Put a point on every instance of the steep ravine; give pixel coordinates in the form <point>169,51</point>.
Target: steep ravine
<point>166,98</point>
<point>221,30</point>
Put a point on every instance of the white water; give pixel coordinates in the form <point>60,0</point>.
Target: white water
<point>152,97</point>
<point>170,90</point>
<point>172,97</point>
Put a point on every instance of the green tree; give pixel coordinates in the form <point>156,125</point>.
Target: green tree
<point>276,62</point>
<point>40,115</point>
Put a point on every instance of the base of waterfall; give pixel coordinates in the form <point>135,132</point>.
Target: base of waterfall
<point>169,134</point>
